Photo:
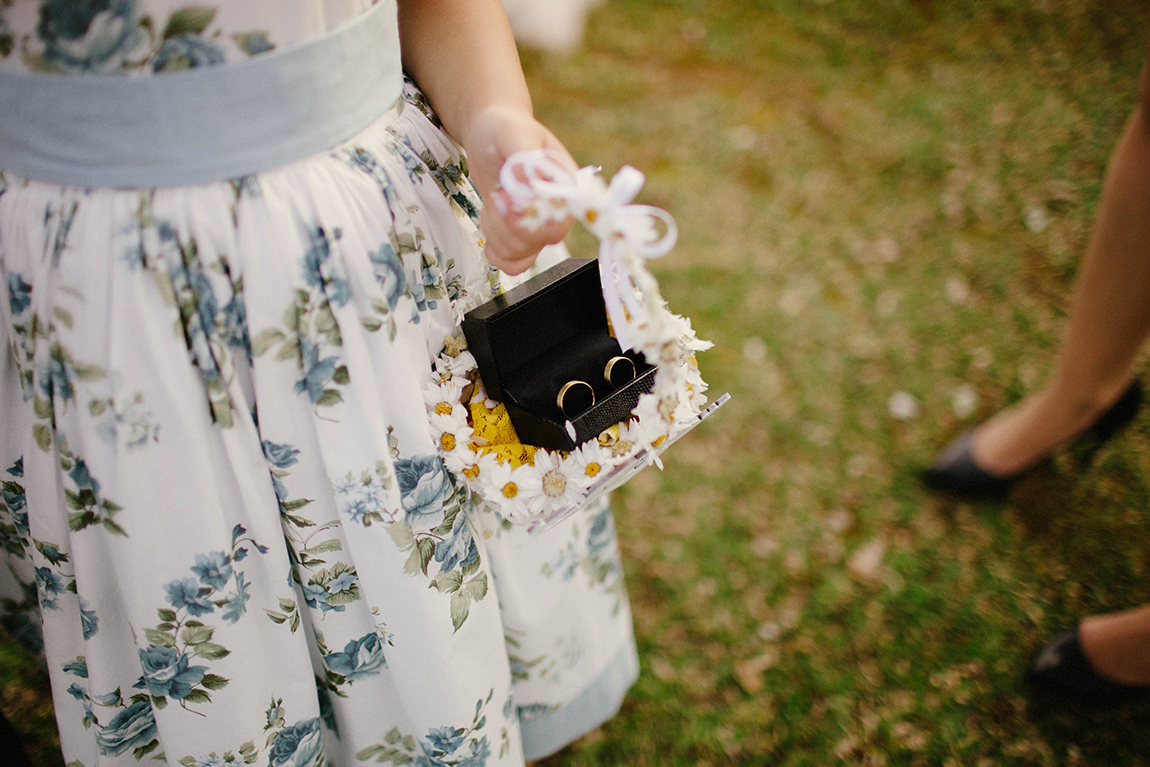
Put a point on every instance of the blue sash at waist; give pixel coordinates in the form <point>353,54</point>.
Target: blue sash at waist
<point>204,124</point>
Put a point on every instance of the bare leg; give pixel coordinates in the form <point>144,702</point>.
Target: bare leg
<point>1118,644</point>
<point>1109,318</point>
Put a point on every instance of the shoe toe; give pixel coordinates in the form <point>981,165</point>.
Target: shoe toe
<point>955,470</point>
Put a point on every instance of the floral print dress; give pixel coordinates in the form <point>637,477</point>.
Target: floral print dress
<point>223,522</point>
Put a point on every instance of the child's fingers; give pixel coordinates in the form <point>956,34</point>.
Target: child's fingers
<point>502,246</point>
<point>513,248</point>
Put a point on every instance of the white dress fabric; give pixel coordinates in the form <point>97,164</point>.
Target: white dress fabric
<point>224,523</point>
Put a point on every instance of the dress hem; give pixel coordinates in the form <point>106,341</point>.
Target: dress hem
<point>598,702</point>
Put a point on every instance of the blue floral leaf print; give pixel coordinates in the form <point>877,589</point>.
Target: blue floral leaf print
<point>211,760</point>
<point>458,548</point>
<point>187,52</point>
<point>342,582</point>
<point>252,43</point>
<point>237,606</point>
<point>425,485</point>
<point>480,751</point>
<point>110,699</point>
<point>19,293</point>
<point>56,378</point>
<point>359,658</point>
<point>316,372</point>
<point>168,673</point>
<point>17,469</point>
<point>413,165</point>
<point>280,456</point>
<point>132,728</point>
<point>80,693</point>
<point>89,623</point>
<point>190,595</point>
<point>15,500</point>
<point>214,569</point>
<point>316,261</point>
<point>456,746</point>
<point>362,500</point>
<point>468,207</point>
<point>236,323</point>
<point>332,588</point>
<point>89,35</point>
<point>444,740</point>
<point>83,478</point>
<point>389,273</point>
<point>299,745</point>
<point>88,506</point>
<point>600,535</point>
<point>433,286</point>
<point>78,667</point>
<point>51,552</point>
<point>49,585</point>
<point>315,594</point>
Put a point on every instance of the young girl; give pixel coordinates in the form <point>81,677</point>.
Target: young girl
<point>233,237</point>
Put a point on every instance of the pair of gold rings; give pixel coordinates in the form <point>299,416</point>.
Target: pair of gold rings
<point>578,396</point>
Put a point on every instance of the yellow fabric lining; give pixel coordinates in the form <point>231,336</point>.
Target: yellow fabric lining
<point>496,435</point>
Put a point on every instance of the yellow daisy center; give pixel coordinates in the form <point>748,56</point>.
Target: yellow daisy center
<point>443,408</point>
<point>592,469</point>
<point>510,490</point>
<point>554,484</point>
<point>592,214</point>
<point>447,441</point>
<point>471,472</point>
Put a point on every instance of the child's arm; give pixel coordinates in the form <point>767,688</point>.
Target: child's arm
<point>463,57</point>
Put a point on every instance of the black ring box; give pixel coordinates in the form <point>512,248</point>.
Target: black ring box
<point>536,337</point>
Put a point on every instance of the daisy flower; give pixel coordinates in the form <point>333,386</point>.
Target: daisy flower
<point>474,468</point>
<point>591,461</point>
<point>444,399</point>
<point>555,485</point>
<point>442,373</point>
<point>505,488</point>
<point>462,363</point>
<point>451,431</point>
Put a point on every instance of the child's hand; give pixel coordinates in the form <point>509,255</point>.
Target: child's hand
<point>496,134</point>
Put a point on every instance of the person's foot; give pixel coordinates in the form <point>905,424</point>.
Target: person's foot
<point>1105,659</point>
<point>986,460</point>
<point>1019,438</point>
<point>1118,645</point>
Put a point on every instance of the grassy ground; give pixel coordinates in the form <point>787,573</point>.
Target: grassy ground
<point>875,198</point>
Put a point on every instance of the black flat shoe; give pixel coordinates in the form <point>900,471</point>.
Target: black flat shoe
<point>1063,667</point>
<point>955,470</point>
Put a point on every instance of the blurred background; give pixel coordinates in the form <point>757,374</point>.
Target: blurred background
<point>882,206</point>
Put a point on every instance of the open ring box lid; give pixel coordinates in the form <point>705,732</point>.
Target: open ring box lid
<point>530,341</point>
<point>552,329</point>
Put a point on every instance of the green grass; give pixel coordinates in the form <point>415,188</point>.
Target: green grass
<point>852,182</point>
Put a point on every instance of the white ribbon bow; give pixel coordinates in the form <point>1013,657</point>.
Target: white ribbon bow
<point>543,190</point>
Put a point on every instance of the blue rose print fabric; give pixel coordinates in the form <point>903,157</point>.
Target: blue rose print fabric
<point>223,521</point>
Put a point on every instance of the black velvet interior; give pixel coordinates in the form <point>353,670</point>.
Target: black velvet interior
<point>535,384</point>
<point>535,338</point>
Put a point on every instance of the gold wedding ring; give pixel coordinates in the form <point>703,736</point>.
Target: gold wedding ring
<point>619,371</point>
<point>575,397</point>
